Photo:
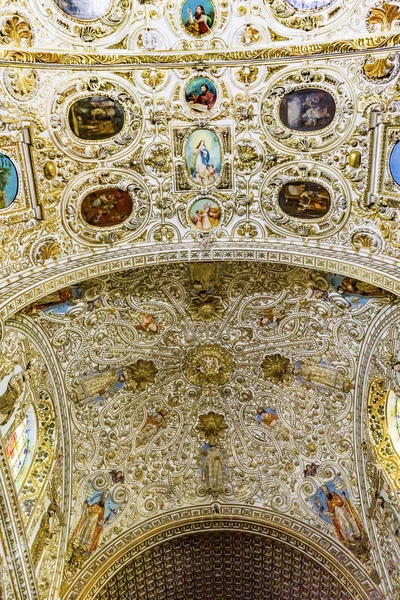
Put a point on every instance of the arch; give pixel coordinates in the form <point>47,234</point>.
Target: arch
<point>294,534</point>
<point>38,282</point>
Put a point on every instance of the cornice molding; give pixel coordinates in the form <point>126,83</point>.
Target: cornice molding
<point>191,58</point>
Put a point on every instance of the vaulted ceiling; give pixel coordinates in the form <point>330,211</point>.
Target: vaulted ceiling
<point>198,300</point>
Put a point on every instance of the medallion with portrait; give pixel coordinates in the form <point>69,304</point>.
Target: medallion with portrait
<point>96,118</point>
<point>205,214</point>
<point>198,19</point>
<point>8,181</point>
<point>308,109</point>
<point>106,207</point>
<point>304,200</point>
<point>200,95</point>
<point>87,10</point>
<point>203,157</point>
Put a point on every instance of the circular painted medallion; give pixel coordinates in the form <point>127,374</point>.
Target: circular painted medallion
<point>200,95</point>
<point>86,10</point>
<point>205,214</point>
<point>308,109</point>
<point>209,366</point>
<point>198,19</point>
<point>95,118</point>
<point>8,181</point>
<point>304,200</point>
<point>106,207</point>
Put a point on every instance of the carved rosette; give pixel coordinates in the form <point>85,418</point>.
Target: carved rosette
<point>87,86</point>
<point>324,78</point>
<point>280,222</point>
<point>97,180</point>
<point>81,31</point>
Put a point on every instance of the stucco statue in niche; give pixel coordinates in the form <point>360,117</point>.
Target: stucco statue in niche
<point>12,386</point>
<point>212,468</point>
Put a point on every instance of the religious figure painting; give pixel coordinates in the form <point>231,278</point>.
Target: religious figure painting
<point>356,292</point>
<point>394,163</point>
<point>307,109</point>
<point>212,468</point>
<point>201,95</point>
<point>304,200</point>
<point>267,417</point>
<point>96,118</point>
<point>8,181</point>
<point>107,207</point>
<point>205,214</point>
<point>98,510</point>
<point>332,503</point>
<point>203,157</point>
<point>198,19</point>
<point>87,10</point>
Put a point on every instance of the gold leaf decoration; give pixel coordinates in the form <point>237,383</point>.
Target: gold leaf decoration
<point>211,426</point>
<point>142,372</point>
<point>378,68</point>
<point>384,15</point>
<point>15,31</point>
<point>275,367</point>
<point>22,81</point>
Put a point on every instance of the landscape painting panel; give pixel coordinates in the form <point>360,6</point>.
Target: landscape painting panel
<point>304,200</point>
<point>307,110</point>
<point>96,118</point>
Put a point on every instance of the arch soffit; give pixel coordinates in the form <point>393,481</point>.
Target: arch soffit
<point>380,271</point>
<point>116,555</point>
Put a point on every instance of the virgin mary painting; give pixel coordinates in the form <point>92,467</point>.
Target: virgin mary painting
<point>203,157</point>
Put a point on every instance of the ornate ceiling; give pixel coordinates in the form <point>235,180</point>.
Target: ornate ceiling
<point>199,376</point>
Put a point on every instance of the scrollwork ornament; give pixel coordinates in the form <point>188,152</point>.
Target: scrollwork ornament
<point>302,19</point>
<point>321,227</point>
<point>326,79</point>
<point>112,87</point>
<point>366,240</point>
<point>94,181</point>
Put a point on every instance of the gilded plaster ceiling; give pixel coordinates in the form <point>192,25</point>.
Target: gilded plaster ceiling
<point>199,275</point>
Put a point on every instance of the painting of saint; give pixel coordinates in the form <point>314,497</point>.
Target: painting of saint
<point>8,181</point>
<point>98,510</point>
<point>267,417</point>
<point>108,207</point>
<point>203,157</point>
<point>200,94</point>
<point>87,10</point>
<point>205,214</point>
<point>212,468</point>
<point>304,200</point>
<point>333,505</point>
<point>96,118</point>
<point>307,110</point>
<point>198,19</point>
